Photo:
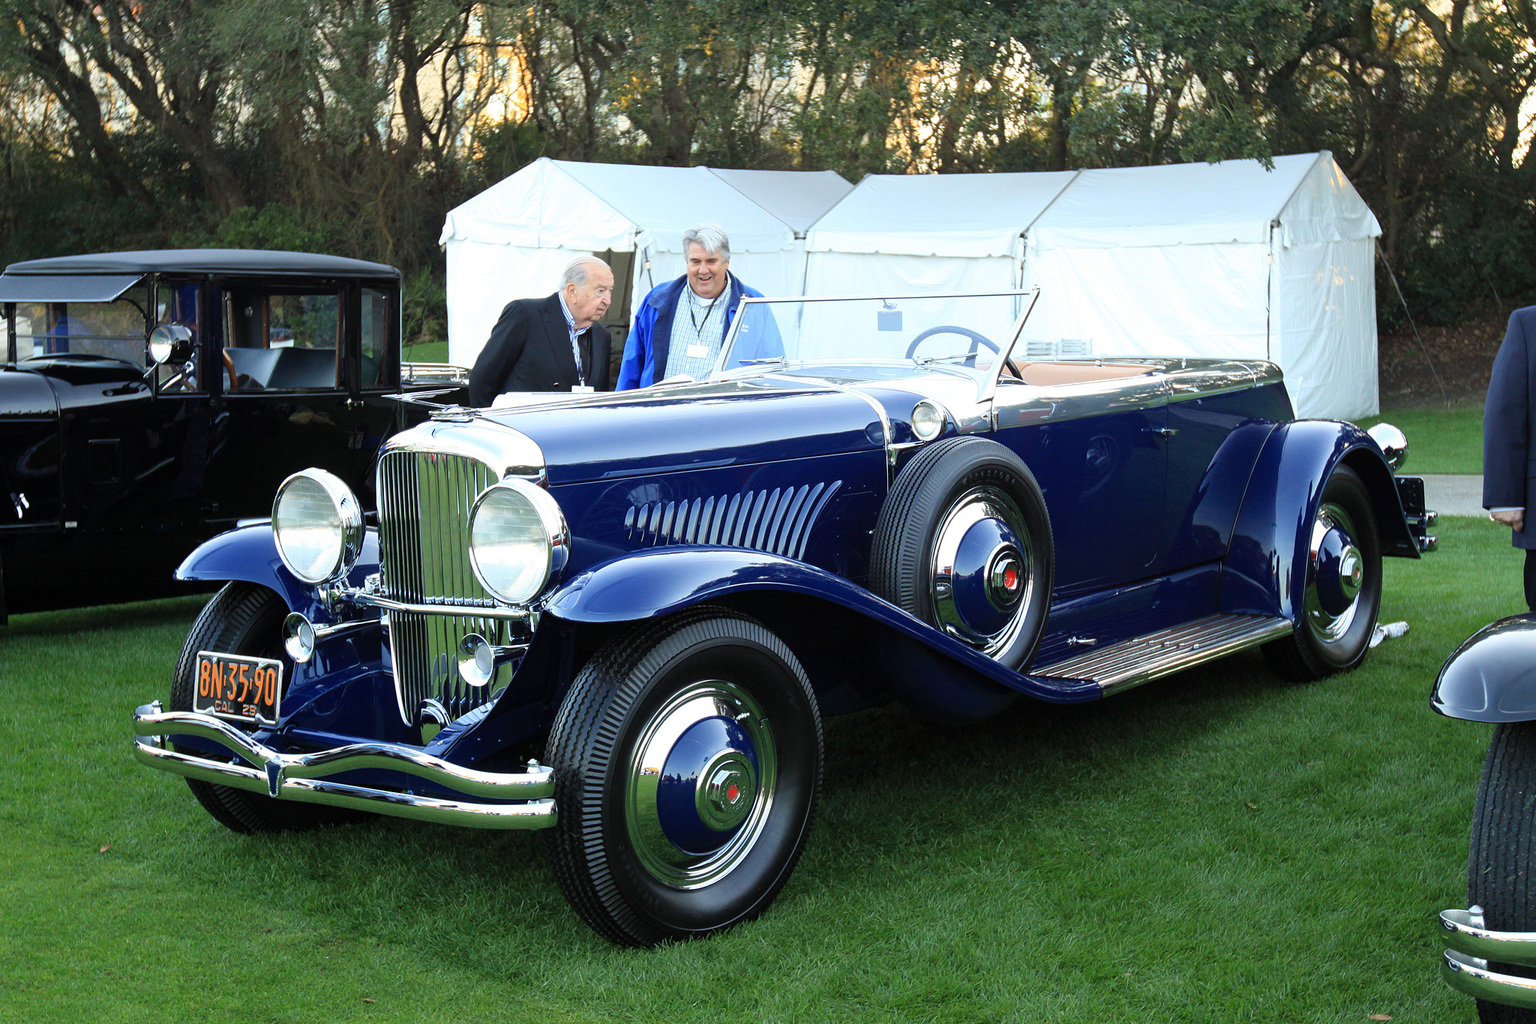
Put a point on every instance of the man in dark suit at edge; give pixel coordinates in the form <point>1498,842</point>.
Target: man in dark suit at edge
<point>550,344</point>
<point>1509,439</point>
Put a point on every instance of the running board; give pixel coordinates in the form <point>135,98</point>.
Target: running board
<point>1145,658</point>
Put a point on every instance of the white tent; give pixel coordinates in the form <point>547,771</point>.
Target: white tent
<point>1228,260</point>
<point>1231,260</point>
<point>927,233</point>
<point>513,240</point>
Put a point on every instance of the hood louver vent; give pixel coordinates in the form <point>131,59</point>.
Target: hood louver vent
<point>777,521</point>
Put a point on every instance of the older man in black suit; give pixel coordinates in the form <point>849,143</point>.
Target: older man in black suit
<point>550,344</point>
<point>1509,439</point>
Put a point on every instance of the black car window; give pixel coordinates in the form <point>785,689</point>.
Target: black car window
<point>282,339</point>
<point>375,321</point>
<point>111,330</point>
<point>179,302</point>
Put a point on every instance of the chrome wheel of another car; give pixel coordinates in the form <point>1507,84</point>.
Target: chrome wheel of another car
<point>1501,859</point>
<point>687,762</point>
<point>1338,607</point>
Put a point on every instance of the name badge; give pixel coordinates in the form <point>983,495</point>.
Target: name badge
<point>582,389</point>
<point>698,351</point>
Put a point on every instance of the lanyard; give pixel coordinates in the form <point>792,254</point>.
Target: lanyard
<point>693,302</point>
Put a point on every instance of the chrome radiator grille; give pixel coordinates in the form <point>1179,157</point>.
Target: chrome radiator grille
<point>424,504</point>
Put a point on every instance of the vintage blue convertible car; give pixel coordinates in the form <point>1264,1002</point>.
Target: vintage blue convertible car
<point>1491,946</point>
<point>621,617</point>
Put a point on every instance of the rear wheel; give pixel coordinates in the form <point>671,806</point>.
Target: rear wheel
<point>1501,861</point>
<point>244,618</point>
<point>687,759</point>
<point>1337,610</point>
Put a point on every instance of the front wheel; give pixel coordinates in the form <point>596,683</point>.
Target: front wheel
<point>244,618</point>
<point>1338,607</point>
<point>687,760</point>
<point>1501,862</point>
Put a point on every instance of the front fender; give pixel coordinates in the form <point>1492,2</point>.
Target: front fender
<point>249,554</point>
<point>1266,567</point>
<point>650,584</point>
<point>1491,677</point>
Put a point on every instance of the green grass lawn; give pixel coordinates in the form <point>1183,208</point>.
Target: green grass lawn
<point>427,352</point>
<point>1218,846</point>
<point>1440,440</point>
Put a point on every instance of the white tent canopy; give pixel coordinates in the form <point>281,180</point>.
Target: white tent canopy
<point>1229,260</point>
<point>514,239</point>
<point>927,233</point>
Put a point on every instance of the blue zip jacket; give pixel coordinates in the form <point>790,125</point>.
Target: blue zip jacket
<point>645,351</point>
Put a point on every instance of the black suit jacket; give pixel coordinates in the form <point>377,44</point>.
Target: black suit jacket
<point>530,350</point>
<point>1509,428</point>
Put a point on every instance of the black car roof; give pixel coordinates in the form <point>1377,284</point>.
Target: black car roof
<point>205,261</point>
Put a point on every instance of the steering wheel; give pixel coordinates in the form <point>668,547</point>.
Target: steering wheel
<point>964,332</point>
<point>229,369</point>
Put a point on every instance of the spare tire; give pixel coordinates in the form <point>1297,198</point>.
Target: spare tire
<point>964,543</point>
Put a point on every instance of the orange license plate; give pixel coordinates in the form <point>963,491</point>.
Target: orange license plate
<point>238,687</point>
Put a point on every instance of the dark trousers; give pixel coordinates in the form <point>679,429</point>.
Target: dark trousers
<point>1530,578</point>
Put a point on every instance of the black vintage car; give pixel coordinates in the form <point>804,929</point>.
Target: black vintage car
<point>149,400</point>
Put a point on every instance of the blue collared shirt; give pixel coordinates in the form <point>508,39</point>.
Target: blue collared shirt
<point>570,326</point>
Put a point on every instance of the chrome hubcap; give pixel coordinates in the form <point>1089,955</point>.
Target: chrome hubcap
<point>701,784</point>
<point>982,577</point>
<point>1335,575</point>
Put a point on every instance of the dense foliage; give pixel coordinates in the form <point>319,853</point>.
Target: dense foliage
<point>352,126</point>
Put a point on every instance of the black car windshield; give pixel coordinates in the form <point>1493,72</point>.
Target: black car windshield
<point>962,330</point>
<point>113,330</point>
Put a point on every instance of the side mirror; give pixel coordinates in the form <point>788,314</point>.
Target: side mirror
<point>170,343</point>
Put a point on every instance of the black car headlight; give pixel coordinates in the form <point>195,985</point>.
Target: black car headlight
<point>518,540</point>
<point>318,524</point>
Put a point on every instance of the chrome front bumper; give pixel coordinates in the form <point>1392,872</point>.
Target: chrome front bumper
<point>1470,947</point>
<point>308,778</point>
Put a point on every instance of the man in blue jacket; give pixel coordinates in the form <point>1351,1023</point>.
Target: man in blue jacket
<point>1509,439</point>
<point>680,325</point>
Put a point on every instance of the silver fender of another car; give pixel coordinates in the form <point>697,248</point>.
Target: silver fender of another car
<point>1491,677</point>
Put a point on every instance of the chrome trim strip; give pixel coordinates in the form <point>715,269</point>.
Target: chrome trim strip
<point>306,777</point>
<point>1193,379</point>
<point>1145,658</point>
<point>1018,404</point>
<point>355,596</point>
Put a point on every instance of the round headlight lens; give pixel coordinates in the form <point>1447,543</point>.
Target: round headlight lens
<point>318,524</point>
<point>518,540</point>
<point>927,420</point>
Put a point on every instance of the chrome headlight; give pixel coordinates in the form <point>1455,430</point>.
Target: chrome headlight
<point>318,525</point>
<point>518,540</point>
<point>927,420</point>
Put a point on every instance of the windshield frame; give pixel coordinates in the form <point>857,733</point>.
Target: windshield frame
<point>1029,296</point>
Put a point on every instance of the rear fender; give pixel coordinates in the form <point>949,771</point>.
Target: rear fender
<point>1266,564</point>
<point>1491,677</point>
<point>249,554</point>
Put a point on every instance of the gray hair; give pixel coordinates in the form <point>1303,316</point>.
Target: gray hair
<point>579,270</point>
<point>710,237</point>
